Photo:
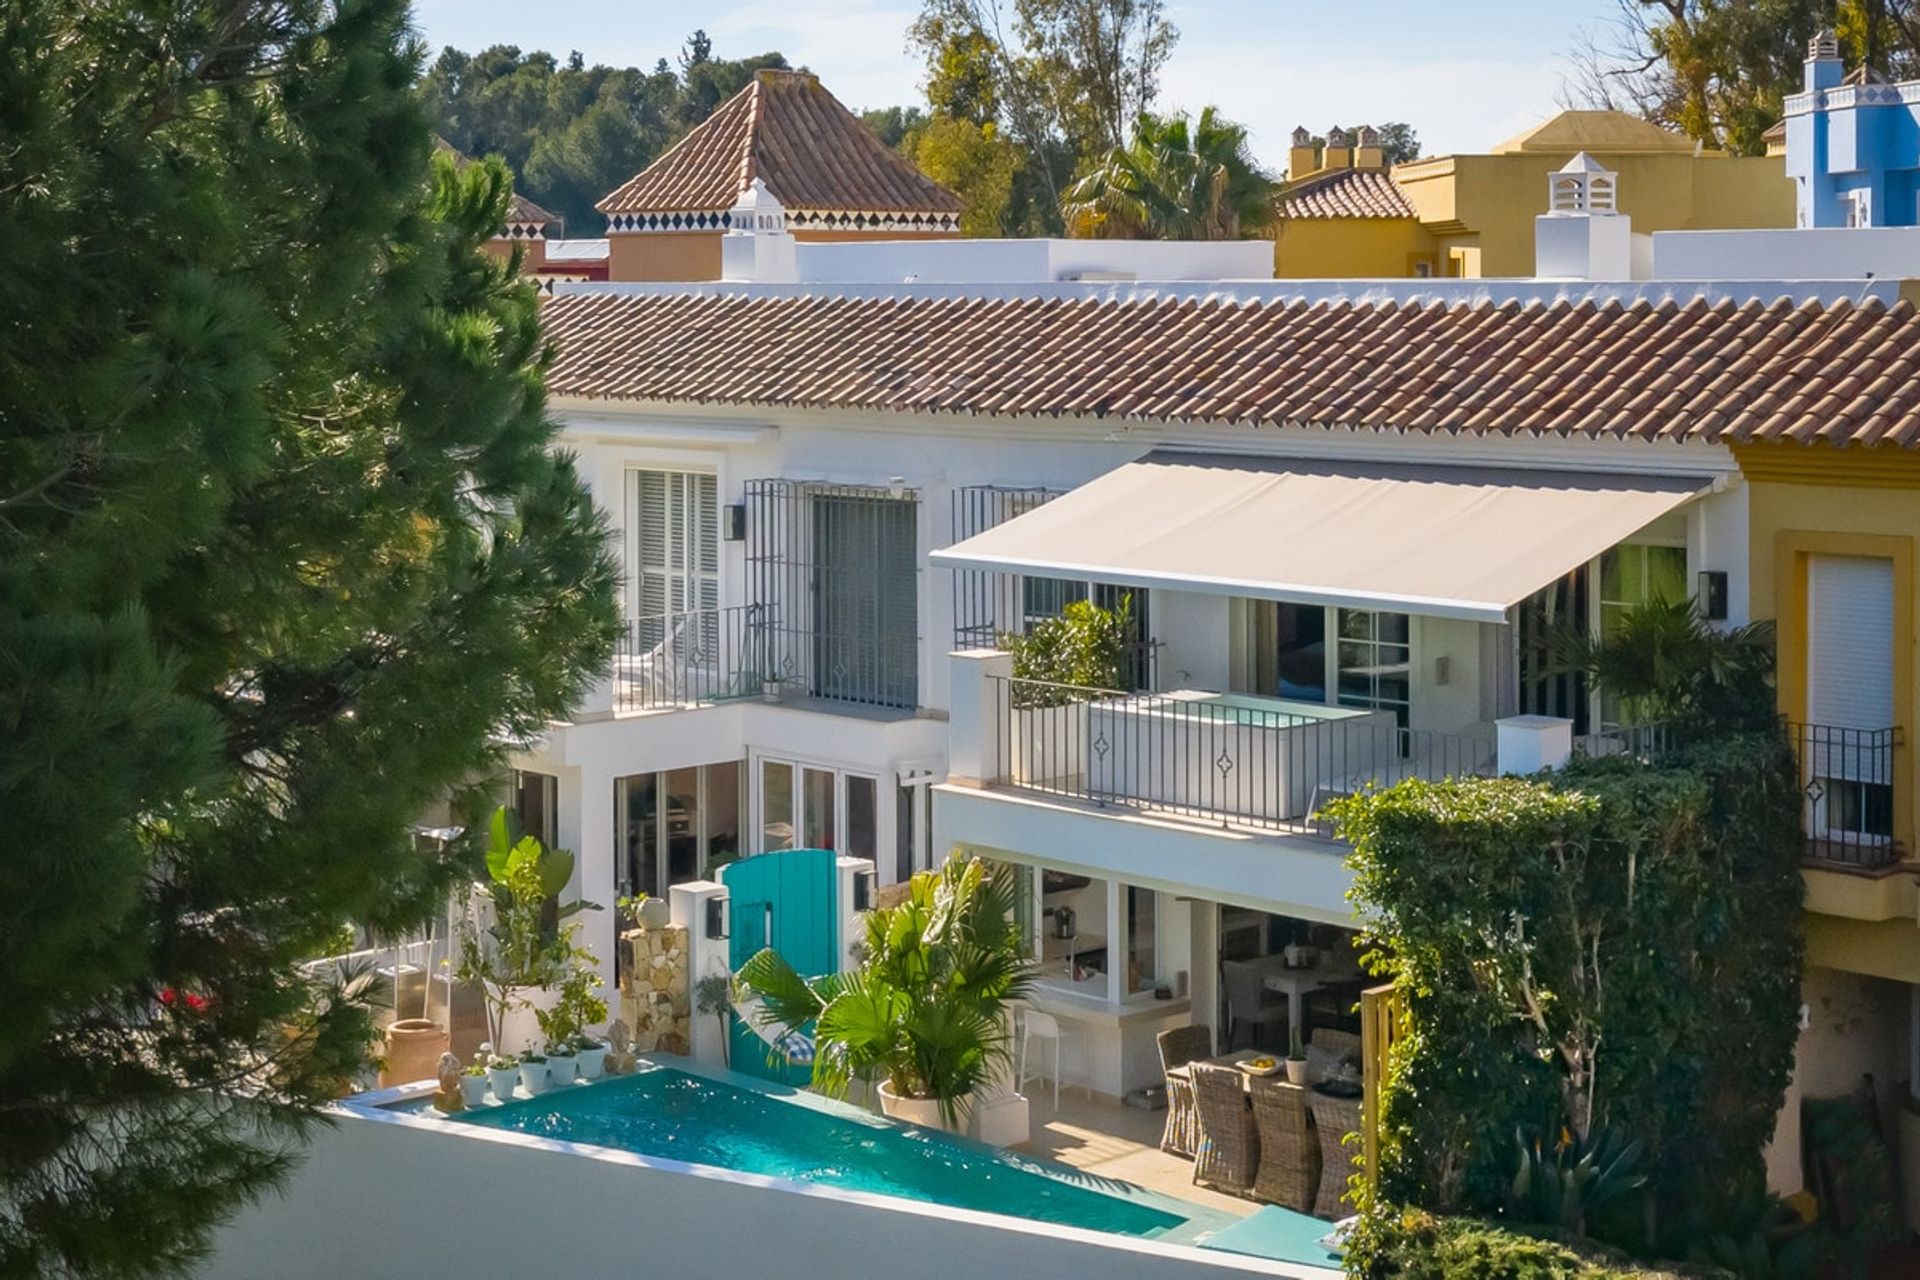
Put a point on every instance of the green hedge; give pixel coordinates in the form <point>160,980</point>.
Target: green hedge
<point>1615,946</point>
<point>1410,1244</point>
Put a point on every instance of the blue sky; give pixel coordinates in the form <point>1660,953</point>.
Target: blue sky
<point>1465,76</point>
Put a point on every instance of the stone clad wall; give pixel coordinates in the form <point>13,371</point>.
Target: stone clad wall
<point>653,991</point>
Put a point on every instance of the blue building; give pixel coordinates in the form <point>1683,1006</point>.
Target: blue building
<point>1853,144</point>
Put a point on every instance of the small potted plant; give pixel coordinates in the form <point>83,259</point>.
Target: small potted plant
<point>590,1056</point>
<point>533,1072</point>
<point>473,1081</point>
<point>1296,1057</point>
<point>502,1074</point>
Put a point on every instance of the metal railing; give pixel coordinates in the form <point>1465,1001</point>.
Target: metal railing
<point>1652,743</point>
<point>704,656</point>
<point>1848,779</point>
<point>1220,760</point>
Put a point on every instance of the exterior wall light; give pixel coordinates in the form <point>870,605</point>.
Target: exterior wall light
<point>716,918</point>
<point>733,522</point>
<point>864,885</point>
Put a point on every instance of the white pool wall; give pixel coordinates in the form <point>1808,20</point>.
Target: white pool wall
<point>384,1194</point>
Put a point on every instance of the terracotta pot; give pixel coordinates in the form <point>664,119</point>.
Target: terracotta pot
<point>414,1046</point>
<point>473,1089</point>
<point>502,1081</point>
<point>924,1112</point>
<point>591,1063</point>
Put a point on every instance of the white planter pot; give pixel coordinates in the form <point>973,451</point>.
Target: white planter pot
<point>533,1077</point>
<point>502,1080</point>
<point>473,1089</point>
<point>924,1112</point>
<point>520,1028</point>
<point>591,1063</point>
<point>560,1069</point>
<point>1050,745</point>
<point>1296,1070</point>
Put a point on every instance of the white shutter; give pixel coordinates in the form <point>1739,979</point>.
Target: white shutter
<point>674,543</point>
<point>1850,642</point>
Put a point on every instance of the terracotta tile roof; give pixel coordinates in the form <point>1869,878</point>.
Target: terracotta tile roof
<point>1722,371</point>
<point>1347,193</point>
<point>797,138</point>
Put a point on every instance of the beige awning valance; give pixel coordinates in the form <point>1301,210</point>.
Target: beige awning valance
<point>1457,542</point>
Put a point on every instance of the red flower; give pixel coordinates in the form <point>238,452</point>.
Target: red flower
<point>168,996</point>
<point>198,1003</point>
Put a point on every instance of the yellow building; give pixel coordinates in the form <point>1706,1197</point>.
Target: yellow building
<point>1346,214</point>
<point>1833,535</point>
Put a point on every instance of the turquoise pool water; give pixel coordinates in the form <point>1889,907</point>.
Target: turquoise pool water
<point>673,1115</point>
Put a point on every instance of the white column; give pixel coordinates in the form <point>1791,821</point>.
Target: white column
<point>706,957</point>
<point>586,802</point>
<point>1528,744</point>
<point>978,713</point>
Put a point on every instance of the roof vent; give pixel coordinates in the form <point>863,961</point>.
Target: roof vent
<point>1302,138</point>
<point>1583,186</point>
<point>1824,47</point>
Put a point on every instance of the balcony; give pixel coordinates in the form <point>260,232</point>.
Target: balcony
<point>1849,782</point>
<point>1226,759</point>
<point>704,657</point>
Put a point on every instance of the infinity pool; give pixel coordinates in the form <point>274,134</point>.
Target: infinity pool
<point>673,1115</point>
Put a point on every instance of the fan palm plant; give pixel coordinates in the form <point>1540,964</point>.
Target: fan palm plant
<point>926,1013</point>
<point>1663,662</point>
<point>1175,179</point>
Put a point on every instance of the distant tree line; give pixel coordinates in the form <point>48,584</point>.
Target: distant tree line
<point>572,132</point>
<point>1717,70</point>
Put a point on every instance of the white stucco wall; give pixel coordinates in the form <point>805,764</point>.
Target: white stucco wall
<point>386,1197</point>
<point>1807,253</point>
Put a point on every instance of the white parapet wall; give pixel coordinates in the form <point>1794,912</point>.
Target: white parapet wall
<point>395,1196</point>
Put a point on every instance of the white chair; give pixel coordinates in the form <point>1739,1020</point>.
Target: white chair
<point>1045,1029</point>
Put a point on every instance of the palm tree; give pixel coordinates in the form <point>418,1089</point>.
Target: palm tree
<point>1175,179</point>
<point>927,1010</point>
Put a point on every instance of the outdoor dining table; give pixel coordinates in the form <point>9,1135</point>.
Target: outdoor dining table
<point>1296,984</point>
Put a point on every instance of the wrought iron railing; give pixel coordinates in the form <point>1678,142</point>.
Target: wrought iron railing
<point>1653,743</point>
<point>1227,761</point>
<point>1848,780</point>
<point>705,656</point>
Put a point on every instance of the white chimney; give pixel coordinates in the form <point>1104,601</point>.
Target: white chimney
<point>758,248</point>
<point>1583,235</point>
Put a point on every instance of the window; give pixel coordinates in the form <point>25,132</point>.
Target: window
<point>536,799</point>
<point>913,833</point>
<point>1375,662</point>
<point>1859,208</point>
<point>1846,756</point>
<point>1634,574</point>
<point>863,818</point>
<point>673,543</point>
<point>817,826</point>
<point>675,826</point>
<point>1143,964</point>
<point>776,805</point>
<point>1300,652</point>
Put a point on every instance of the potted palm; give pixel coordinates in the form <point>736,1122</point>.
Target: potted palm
<point>926,1015</point>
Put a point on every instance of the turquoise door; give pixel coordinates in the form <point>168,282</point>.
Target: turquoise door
<point>787,901</point>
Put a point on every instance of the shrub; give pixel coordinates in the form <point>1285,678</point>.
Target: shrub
<point>1086,647</point>
<point>1393,1243</point>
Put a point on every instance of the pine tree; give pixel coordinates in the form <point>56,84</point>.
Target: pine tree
<point>284,555</point>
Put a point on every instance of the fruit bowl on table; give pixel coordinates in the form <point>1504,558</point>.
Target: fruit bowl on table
<point>1260,1066</point>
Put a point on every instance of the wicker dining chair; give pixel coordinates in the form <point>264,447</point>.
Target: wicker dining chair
<point>1289,1167</point>
<point>1179,1047</point>
<point>1333,1120</point>
<point>1229,1151</point>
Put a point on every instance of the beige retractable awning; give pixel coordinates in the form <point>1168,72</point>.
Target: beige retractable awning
<point>1457,542</point>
